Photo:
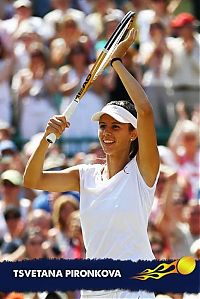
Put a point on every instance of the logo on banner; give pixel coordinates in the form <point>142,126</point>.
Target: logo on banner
<point>183,266</point>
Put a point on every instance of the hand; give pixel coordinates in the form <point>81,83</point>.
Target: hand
<point>57,124</point>
<point>121,49</point>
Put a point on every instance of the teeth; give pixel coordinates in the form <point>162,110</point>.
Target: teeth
<point>108,141</point>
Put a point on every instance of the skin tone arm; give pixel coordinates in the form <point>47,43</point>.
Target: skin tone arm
<point>148,156</point>
<point>58,181</point>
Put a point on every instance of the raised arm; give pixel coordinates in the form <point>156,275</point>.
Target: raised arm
<point>147,157</point>
<point>58,181</point>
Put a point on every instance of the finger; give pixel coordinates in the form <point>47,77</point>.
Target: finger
<point>132,35</point>
<point>56,127</point>
<point>59,122</point>
<point>135,32</point>
<point>62,118</point>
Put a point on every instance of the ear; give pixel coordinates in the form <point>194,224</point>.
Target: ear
<point>134,135</point>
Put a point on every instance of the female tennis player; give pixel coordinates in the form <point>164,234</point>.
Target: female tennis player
<point>116,198</point>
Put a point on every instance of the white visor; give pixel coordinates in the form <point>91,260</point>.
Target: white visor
<point>117,112</point>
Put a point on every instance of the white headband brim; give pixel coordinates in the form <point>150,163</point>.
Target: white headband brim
<point>117,112</point>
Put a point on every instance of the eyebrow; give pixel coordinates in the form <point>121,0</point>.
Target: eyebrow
<point>114,122</point>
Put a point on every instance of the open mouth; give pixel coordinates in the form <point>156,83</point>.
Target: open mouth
<point>108,142</point>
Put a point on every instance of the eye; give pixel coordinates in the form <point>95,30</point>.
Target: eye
<point>115,127</point>
<point>102,126</point>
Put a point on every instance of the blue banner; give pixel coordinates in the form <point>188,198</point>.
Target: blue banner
<point>177,276</point>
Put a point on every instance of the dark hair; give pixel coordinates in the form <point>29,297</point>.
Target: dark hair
<point>53,295</point>
<point>30,233</point>
<point>37,49</point>
<point>129,106</point>
<point>79,48</point>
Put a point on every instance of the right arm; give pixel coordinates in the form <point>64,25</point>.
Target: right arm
<point>53,181</point>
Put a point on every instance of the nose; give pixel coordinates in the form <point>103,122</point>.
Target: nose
<point>107,132</point>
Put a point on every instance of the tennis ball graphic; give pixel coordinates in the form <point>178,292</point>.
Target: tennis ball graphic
<point>186,265</point>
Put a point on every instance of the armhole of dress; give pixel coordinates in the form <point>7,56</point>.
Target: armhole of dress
<point>142,179</point>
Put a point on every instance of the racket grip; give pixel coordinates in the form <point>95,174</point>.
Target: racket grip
<point>70,109</point>
<point>51,138</point>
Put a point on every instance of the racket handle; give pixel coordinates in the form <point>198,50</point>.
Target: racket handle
<point>70,109</point>
<point>51,138</point>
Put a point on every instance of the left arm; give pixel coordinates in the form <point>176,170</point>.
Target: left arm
<point>148,156</point>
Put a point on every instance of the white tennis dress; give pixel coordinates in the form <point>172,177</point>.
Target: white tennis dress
<point>114,217</point>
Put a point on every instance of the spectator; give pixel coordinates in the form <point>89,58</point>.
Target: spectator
<point>23,16</point>
<point>109,23</point>
<point>155,56</point>
<point>178,229</point>
<point>186,47</point>
<point>15,229</point>
<point>34,246</point>
<point>6,63</point>
<point>75,235</point>
<point>157,9</point>
<point>158,245</point>
<point>95,20</point>
<point>33,241</point>
<point>11,181</point>
<point>24,38</point>
<point>62,8</point>
<point>184,143</point>
<point>34,88</point>
<point>71,33</point>
<point>40,219</point>
<point>63,207</point>
<point>58,52</point>
<point>8,151</point>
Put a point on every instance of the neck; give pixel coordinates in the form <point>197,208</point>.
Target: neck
<point>188,37</point>
<point>115,164</point>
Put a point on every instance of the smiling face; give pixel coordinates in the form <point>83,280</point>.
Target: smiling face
<point>115,137</point>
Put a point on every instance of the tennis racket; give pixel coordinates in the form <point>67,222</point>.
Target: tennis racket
<point>102,61</point>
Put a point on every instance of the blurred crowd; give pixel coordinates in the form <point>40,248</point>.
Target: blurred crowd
<point>46,51</point>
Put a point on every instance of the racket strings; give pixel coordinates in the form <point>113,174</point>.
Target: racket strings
<point>105,57</point>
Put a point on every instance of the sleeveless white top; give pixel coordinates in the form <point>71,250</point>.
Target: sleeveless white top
<point>114,213</point>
